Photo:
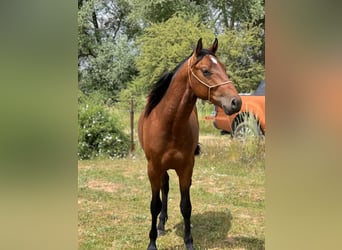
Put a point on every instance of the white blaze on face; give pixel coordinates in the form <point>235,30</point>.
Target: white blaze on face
<point>213,59</point>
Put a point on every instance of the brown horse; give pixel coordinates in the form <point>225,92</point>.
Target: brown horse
<point>168,128</point>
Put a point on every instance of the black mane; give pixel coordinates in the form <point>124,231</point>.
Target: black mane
<point>158,91</point>
<point>160,87</point>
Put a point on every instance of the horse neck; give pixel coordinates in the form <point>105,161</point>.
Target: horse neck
<point>179,100</point>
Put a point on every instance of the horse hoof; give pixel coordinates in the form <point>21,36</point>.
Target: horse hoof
<point>152,246</point>
<point>189,247</point>
<point>161,232</point>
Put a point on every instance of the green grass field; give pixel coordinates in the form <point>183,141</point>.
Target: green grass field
<point>227,194</point>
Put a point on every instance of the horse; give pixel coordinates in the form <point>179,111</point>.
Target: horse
<point>168,129</point>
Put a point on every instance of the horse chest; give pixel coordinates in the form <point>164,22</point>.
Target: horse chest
<point>172,159</point>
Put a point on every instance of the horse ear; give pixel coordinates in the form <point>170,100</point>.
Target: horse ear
<point>199,47</point>
<point>214,47</point>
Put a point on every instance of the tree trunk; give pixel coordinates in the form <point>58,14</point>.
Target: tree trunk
<point>96,28</point>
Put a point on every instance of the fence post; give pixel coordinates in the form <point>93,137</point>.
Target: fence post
<point>132,127</point>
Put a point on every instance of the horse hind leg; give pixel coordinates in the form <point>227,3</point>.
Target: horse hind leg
<point>163,215</point>
<point>155,210</point>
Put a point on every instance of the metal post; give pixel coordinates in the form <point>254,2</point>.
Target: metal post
<point>132,126</point>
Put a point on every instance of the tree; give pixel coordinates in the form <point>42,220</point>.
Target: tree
<point>105,54</point>
<point>164,45</point>
<point>235,14</point>
<point>232,13</point>
<point>111,70</point>
<point>240,49</point>
<point>147,12</point>
<point>159,34</point>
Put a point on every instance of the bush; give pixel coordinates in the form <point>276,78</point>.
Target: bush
<point>99,133</point>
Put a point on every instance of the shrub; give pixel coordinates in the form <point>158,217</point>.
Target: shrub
<point>99,133</point>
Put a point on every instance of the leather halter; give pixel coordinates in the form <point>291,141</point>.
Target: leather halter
<point>204,83</point>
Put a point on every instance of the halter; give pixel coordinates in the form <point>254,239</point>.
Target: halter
<point>204,83</point>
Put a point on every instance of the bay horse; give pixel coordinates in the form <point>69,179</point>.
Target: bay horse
<point>168,128</point>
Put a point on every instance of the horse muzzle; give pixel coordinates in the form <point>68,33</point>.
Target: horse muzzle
<point>232,105</point>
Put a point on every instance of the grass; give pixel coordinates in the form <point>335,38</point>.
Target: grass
<point>227,194</point>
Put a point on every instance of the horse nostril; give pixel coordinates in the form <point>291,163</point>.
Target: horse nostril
<point>235,104</point>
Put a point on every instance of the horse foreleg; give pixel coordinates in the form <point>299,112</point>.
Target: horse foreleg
<point>155,208</point>
<point>185,204</point>
<point>163,215</point>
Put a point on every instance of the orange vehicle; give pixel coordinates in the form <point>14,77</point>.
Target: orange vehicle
<point>249,121</point>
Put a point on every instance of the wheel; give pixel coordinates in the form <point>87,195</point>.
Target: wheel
<point>247,128</point>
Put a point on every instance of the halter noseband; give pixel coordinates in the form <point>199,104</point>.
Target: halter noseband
<point>204,83</point>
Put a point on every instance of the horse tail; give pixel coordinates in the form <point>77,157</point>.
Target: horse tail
<point>198,150</point>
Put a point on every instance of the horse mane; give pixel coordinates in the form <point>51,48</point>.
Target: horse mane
<point>160,87</point>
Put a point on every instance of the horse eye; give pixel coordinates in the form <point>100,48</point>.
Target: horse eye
<point>206,72</point>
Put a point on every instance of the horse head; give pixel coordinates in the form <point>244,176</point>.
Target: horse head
<point>209,80</point>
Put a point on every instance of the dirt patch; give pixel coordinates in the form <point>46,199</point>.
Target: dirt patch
<point>104,186</point>
<point>213,138</point>
<point>208,137</point>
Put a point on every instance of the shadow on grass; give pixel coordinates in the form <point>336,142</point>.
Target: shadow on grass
<point>247,243</point>
<point>210,230</point>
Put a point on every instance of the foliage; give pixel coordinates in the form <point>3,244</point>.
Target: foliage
<point>159,34</point>
<point>105,48</point>
<point>164,45</point>
<point>103,20</point>
<point>232,13</point>
<point>86,42</point>
<point>240,49</point>
<point>157,11</point>
<point>110,70</point>
<point>99,133</point>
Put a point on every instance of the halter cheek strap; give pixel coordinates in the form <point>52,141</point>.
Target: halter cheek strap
<point>204,83</point>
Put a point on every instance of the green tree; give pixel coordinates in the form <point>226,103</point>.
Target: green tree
<point>157,11</point>
<point>106,46</point>
<point>239,50</point>
<point>235,14</point>
<point>164,45</point>
<point>108,32</point>
<point>111,70</point>
<point>232,13</point>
